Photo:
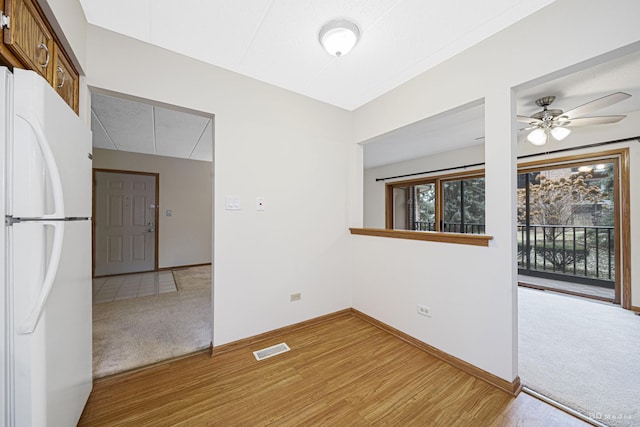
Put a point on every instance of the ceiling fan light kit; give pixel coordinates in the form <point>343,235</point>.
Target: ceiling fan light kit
<point>554,122</point>
<point>338,37</point>
<point>537,137</point>
<point>560,133</point>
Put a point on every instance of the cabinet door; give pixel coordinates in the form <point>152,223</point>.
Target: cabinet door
<point>28,37</point>
<point>65,79</point>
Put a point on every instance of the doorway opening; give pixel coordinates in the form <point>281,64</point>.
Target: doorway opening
<point>574,250</point>
<point>572,350</point>
<point>154,208</point>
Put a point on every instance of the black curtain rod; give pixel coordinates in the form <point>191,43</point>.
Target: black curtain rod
<point>561,150</point>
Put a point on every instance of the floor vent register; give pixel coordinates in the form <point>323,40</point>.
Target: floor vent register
<point>268,352</point>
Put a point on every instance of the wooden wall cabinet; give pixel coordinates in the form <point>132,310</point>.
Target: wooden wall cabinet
<point>28,36</point>
<point>29,42</point>
<point>65,79</point>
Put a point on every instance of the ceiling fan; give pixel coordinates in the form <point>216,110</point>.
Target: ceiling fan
<point>556,122</point>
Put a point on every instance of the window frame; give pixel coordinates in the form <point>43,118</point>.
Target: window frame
<point>438,181</point>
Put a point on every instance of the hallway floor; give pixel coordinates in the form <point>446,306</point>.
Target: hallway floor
<point>133,332</point>
<point>125,286</point>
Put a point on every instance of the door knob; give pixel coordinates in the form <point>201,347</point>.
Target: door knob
<point>151,227</point>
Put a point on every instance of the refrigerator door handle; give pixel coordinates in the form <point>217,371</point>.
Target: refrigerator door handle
<point>51,166</point>
<point>31,322</point>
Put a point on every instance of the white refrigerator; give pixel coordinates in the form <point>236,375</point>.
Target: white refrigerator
<point>45,255</point>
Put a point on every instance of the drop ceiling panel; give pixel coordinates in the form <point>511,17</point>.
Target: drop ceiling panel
<point>177,133</point>
<point>100,137</point>
<point>204,148</point>
<point>128,124</point>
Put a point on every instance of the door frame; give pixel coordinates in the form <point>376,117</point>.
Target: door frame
<point>93,213</point>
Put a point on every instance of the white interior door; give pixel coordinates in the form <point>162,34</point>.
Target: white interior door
<point>125,228</point>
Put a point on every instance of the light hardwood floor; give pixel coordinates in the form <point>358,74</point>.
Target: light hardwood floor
<point>344,372</point>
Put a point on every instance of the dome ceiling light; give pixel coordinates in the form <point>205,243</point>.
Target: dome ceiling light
<point>338,37</point>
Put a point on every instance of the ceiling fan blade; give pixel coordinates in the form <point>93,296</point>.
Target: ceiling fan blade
<point>597,104</point>
<point>589,121</point>
<point>530,120</point>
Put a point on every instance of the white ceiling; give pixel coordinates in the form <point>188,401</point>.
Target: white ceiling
<point>276,41</point>
<point>572,90</point>
<point>461,127</point>
<point>448,131</point>
<point>126,125</point>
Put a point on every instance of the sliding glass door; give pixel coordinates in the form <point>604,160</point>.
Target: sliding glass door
<point>566,223</point>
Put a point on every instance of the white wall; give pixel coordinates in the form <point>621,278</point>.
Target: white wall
<point>472,290</point>
<point>184,238</point>
<point>269,142</point>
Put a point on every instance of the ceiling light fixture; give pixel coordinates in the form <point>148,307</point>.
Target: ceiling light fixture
<point>339,37</point>
<point>540,135</point>
<point>555,122</point>
<point>537,137</point>
<point>560,133</point>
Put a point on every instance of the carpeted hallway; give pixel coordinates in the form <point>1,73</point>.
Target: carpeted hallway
<point>135,332</point>
<point>581,353</point>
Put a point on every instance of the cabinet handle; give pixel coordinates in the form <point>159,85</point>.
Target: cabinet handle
<point>61,71</point>
<point>46,49</point>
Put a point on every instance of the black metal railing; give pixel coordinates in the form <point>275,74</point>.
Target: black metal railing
<point>585,252</point>
<point>450,227</point>
<point>454,227</point>
<point>424,226</point>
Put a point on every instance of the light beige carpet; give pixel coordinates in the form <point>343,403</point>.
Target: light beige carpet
<point>583,354</point>
<point>136,332</point>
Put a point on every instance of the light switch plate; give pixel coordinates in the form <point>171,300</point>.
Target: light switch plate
<point>168,212</point>
<point>232,203</point>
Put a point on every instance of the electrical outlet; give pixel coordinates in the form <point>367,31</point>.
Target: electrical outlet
<point>295,297</point>
<point>424,310</point>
